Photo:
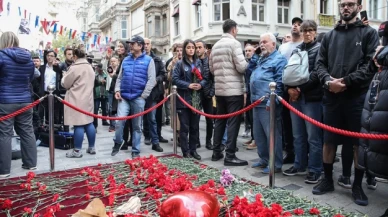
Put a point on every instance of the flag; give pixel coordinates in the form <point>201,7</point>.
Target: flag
<point>106,39</point>
<point>73,35</point>
<point>110,39</point>
<point>55,28</point>
<point>20,12</point>
<point>83,36</point>
<point>98,40</point>
<point>29,17</point>
<point>89,35</point>
<point>1,6</point>
<point>25,14</point>
<point>70,33</point>
<point>94,40</point>
<point>36,21</point>
<point>61,30</point>
<point>92,45</point>
<point>44,26</point>
<point>87,46</point>
<point>8,8</point>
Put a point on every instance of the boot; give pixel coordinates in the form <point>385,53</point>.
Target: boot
<point>232,160</point>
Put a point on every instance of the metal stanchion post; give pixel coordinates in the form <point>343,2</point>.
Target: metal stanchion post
<point>272,127</point>
<point>174,119</point>
<point>50,97</point>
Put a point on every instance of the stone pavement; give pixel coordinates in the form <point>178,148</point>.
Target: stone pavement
<point>341,198</point>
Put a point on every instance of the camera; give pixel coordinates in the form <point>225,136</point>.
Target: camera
<point>110,69</point>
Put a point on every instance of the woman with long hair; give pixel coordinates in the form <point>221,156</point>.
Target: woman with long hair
<point>79,82</point>
<point>189,77</point>
<point>16,75</point>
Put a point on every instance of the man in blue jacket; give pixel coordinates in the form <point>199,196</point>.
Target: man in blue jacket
<point>134,84</point>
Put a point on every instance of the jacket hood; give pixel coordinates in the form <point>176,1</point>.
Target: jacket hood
<point>340,26</point>
<point>18,55</point>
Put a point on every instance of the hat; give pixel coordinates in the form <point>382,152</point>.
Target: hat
<point>136,39</point>
<point>383,29</point>
<point>99,65</point>
<point>296,19</point>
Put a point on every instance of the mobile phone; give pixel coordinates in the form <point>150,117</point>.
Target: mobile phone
<point>364,15</point>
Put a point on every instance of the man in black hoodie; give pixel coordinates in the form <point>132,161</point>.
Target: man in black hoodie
<point>342,70</point>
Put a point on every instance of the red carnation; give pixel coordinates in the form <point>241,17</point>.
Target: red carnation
<point>197,73</point>
<point>30,175</point>
<point>87,196</point>
<point>298,211</point>
<point>338,215</point>
<point>277,208</point>
<point>55,198</point>
<point>314,211</point>
<point>7,204</point>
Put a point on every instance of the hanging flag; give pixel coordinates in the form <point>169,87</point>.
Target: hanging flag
<point>110,39</point>
<point>89,35</point>
<point>36,21</point>
<point>25,14</point>
<point>29,17</point>
<point>45,26</point>
<point>73,35</point>
<point>92,45</point>
<point>70,33</point>
<point>106,39</point>
<point>8,8</point>
<point>55,28</point>
<point>94,40</point>
<point>65,29</point>
<point>98,40</point>
<point>61,30</point>
<point>87,47</point>
<point>1,6</point>
<point>20,12</point>
<point>83,36</point>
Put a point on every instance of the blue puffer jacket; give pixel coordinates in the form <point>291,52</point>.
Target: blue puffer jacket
<point>269,69</point>
<point>135,76</point>
<point>16,74</point>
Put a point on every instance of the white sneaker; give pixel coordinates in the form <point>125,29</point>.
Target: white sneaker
<point>2,176</point>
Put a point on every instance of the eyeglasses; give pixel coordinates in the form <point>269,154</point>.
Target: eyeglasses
<point>308,30</point>
<point>50,55</point>
<point>349,4</point>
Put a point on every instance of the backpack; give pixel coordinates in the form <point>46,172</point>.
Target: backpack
<point>296,72</point>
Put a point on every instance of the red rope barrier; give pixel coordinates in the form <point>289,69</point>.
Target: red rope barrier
<point>333,129</point>
<point>18,112</point>
<point>113,118</point>
<point>251,106</point>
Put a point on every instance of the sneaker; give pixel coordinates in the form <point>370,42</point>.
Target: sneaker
<point>105,123</point>
<point>252,146</point>
<point>115,149</point>
<point>371,183</point>
<point>312,178</point>
<point>381,180</point>
<point>344,182</point>
<point>111,130</point>
<point>29,168</point>
<point>167,121</point>
<point>163,140</point>
<point>248,142</point>
<point>2,176</point>
<point>323,187</point>
<point>91,150</point>
<point>292,171</point>
<point>259,164</point>
<point>246,133</point>
<point>359,196</point>
<point>156,147</point>
<point>147,141</point>
<point>135,155</point>
<point>266,170</point>
<point>74,154</point>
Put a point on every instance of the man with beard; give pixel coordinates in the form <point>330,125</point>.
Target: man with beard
<point>286,49</point>
<point>342,70</point>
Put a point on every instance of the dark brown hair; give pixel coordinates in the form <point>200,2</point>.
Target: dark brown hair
<point>308,24</point>
<point>80,53</point>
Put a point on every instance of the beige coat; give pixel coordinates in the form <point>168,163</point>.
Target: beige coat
<point>228,65</point>
<point>79,82</point>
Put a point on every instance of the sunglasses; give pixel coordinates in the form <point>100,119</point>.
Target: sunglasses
<point>349,4</point>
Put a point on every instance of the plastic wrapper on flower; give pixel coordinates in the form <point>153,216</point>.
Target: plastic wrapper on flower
<point>190,204</point>
<point>226,178</point>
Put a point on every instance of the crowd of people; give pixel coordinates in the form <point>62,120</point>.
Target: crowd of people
<point>347,70</point>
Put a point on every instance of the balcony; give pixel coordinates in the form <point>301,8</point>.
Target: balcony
<point>325,20</point>
<point>158,4</point>
<point>106,18</point>
<point>160,40</point>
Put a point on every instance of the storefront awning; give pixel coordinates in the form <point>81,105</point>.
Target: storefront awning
<point>176,12</point>
<point>196,2</point>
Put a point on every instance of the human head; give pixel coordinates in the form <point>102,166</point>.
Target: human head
<point>349,9</point>
<point>114,61</point>
<point>267,43</point>
<point>68,54</point>
<point>36,61</point>
<point>286,38</point>
<point>383,33</point>
<point>178,50</point>
<point>99,68</point>
<point>230,26</point>
<point>201,48</point>
<point>309,30</point>
<point>249,51</point>
<point>122,48</point>
<point>137,45</point>
<point>8,39</point>
<point>147,45</point>
<point>189,50</point>
<point>78,54</point>
<point>51,56</point>
<point>295,30</point>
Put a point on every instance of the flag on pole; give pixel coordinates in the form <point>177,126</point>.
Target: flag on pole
<point>73,35</point>
<point>83,36</point>
<point>94,40</point>
<point>70,33</point>
<point>25,14</point>
<point>98,40</point>
<point>55,28</point>
<point>20,12</point>
<point>1,6</point>
<point>36,21</point>
<point>61,30</point>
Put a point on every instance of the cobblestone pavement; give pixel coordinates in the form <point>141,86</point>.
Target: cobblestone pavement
<point>340,198</point>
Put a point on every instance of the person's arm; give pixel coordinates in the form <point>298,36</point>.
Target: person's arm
<point>321,65</point>
<point>36,73</point>
<point>277,77</point>
<point>239,59</point>
<point>162,72</point>
<point>118,80</point>
<point>205,74</point>
<point>362,74</point>
<point>69,78</point>
<point>211,68</point>
<point>176,74</point>
<point>151,80</point>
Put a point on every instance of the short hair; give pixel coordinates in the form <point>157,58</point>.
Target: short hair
<point>67,49</point>
<point>80,53</point>
<point>308,24</point>
<point>270,35</point>
<point>201,41</point>
<point>177,45</point>
<point>36,58</point>
<point>8,39</point>
<point>51,51</point>
<point>359,2</point>
<point>115,56</point>
<point>228,25</point>
<point>148,39</point>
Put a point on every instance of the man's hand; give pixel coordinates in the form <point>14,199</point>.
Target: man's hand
<point>337,85</point>
<point>195,86</point>
<point>56,62</point>
<point>365,22</point>
<point>294,94</point>
<point>118,96</point>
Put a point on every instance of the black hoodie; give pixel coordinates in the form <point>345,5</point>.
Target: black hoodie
<point>345,53</point>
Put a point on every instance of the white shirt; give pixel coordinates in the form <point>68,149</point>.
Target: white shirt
<point>49,77</point>
<point>287,48</point>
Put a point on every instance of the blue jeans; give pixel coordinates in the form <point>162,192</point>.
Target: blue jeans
<point>109,106</point>
<point>126,107</point>
<point>261,135</point>
<point>152,125</point>
<point>79,135</point>
<point>308,139</point>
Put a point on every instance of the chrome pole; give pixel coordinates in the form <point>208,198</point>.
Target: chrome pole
<point>272,127</point>
<point>51,89</point>
<point>174,119</point>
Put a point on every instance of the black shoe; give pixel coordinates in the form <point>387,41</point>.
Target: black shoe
<point>147,141</point>
<point>288,158</point>
<point>187,155</point>
<point>323,187</point>
<point>125,146</point>
<point>312,178</point>
<point>105,123</point>
<point>167,121</point>
<point>292,171</point>
<point>359,196</point>
<point>195,155</point>
<point>156,147</point>
<point>235,162</point>
<point>237,149</point>
<point>217,156</point>
<point>371,183</point>
<point>385,214</point>
<point>344,182</point>
<point>336,159</point>
<point>163,140</point>
<point>115,149</point>
<point>199,145</point>
<point>209,145</point>
<point>135,155</point>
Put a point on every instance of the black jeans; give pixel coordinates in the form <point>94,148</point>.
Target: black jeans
<point>159,119</point>
<point>227,105</point>
<point>249,114</point>
<point>288,138</point>
<point>207,104</point>
<point>97,103</point>
<point>188,134</point>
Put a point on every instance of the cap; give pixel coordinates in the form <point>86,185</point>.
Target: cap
<point>99,65</point>
<point>295,19</point>
<point>137,39</point>
<point>383,29</point>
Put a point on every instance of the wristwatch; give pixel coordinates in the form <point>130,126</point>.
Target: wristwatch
<point>327,85</point>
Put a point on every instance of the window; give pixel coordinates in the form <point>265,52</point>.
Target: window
<point>157,26</point>
<point>373,9</point>
<point>221,10</point>
<point>258,10</point>
<point>198,16</point>
<point>176,25</point>
<point>301,8</point>
<point>124,28</point>
<point>149,23</point>
<point>84,24</point>
<point>164,28</point>
<point>283,8</point>
<point>323,9</point>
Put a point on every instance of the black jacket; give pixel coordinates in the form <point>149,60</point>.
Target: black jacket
<point>345,53</point>
<point>65,65</point>
<point>158,91</point>
<point>182,77</point>
<point>208,89</point>
<point>373,154</point>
